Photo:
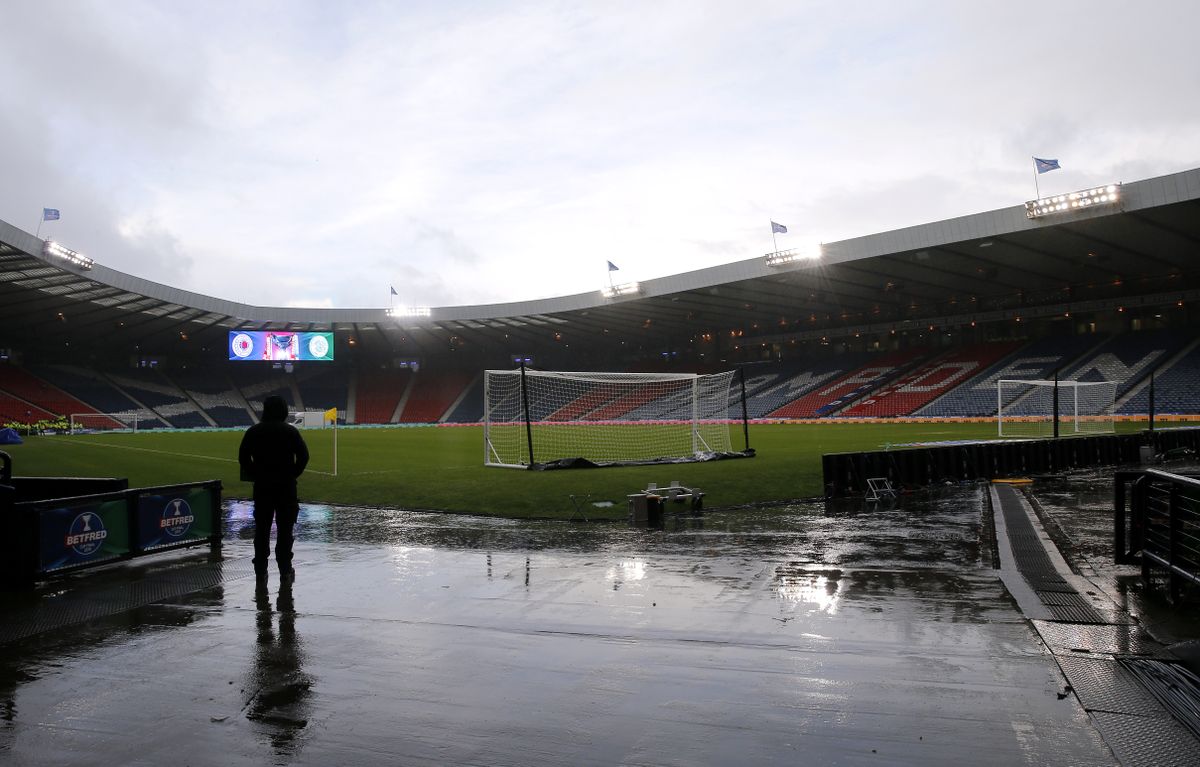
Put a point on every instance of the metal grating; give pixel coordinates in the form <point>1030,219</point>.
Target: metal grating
<point>1068,638</point>
<point>1104,685</point>
<point>1139,741</point>
<point>1034,564</point>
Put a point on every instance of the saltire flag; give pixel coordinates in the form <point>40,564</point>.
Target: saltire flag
<point>393,287</point>
<point>613,267</point>
<point>1045,166</point>
<point>331,415</point>
<point>49,214</point>
<point>778,228</point>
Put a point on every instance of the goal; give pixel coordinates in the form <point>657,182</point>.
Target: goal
<point>90,422</point>
<point>1026,408</point>
<point>536,418</point>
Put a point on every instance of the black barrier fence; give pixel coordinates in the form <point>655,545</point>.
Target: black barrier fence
<point>1156,523</point>
<point>43,536</point>
<point>846,474</point>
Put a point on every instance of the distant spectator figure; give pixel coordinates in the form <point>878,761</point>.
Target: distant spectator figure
<point>272,456</point>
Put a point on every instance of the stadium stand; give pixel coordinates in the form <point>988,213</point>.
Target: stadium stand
<point>770,387</point>
<point>828,400</point>
<point>41,398</point>
<point>379,393</point>
<point>215,394</point>
<point>254,386</point>
<point>433,393</point>
<point>1176,386</point>
<point>321,388</point>
<point>15,410</point>
<point>91,388</point>
<point>470,406</point>
<point>929,381</point>
<point>152,390</point>
<point>1128,358</point>
<point>1037,360</point>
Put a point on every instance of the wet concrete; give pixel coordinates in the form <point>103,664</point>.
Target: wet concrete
<point>807,634</point>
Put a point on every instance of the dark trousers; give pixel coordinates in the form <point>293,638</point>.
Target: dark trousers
<point>274,503</point>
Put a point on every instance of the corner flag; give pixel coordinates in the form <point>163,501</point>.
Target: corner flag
<point>331,415</point>
<point>49,214</point>
<point>778,228</point>
<point>613,267</point>
<point>1045,166</point>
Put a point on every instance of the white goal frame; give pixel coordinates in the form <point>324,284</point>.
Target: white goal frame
<point>128,418</point>
<point>1084,407</point>
<point>534,418</point>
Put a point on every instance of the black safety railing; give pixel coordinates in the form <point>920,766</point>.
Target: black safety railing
<point>1156,523</point>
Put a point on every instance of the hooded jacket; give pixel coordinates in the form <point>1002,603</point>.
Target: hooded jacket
<point>272,450</point>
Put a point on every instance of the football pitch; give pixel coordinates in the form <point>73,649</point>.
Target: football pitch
<point>441,468</point>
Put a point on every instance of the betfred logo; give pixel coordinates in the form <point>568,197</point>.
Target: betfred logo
<point>177,518</point>
<point>86,534</point>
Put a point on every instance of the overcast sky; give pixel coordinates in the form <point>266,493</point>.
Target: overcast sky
<point>316,153</point>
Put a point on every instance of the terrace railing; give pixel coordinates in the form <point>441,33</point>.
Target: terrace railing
<point>1156,523</point>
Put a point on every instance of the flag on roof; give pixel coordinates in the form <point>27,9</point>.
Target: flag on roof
<point>613,267</point>
<point>778,228</point>
<point>393,287</point>
<point>49,214</point>
<point>1045,166</point>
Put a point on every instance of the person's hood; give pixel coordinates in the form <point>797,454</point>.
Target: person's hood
<point>274,408</point>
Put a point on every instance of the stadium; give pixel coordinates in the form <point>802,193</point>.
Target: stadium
<point>942,627</point>
<point>910,329</point>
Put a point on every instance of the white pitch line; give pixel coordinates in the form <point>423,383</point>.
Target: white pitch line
<point>149,450</point>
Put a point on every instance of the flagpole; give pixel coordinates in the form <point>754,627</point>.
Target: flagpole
<point>41,220</point>
<point>1036,190</point>
<point>774,244</point>
<point>335,446</point>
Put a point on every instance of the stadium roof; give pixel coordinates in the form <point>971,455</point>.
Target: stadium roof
<point>985,267</point>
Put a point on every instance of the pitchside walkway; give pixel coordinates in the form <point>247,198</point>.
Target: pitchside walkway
<point>805,635</point>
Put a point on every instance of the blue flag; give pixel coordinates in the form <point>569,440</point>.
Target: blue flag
<point>394,293</point>
<point>613,267</point>
<point>1045,166</point>
<point>778,228</point>
<point>49,214</point>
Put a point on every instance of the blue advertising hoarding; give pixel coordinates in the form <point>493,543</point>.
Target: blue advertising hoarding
<point>83,533</point>
<point>169,516</point>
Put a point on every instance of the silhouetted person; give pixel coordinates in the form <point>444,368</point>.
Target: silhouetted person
<point>272,456</point>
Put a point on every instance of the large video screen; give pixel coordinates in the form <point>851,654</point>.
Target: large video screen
<point>280,345</point>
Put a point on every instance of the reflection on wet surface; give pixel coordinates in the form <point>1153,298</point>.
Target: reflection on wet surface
<point>803,634</point>
<point>1081,506</point>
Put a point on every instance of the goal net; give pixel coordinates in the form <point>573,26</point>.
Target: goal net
<point>604,418</point>
<point>1026,408</point>
<point>129,420</point>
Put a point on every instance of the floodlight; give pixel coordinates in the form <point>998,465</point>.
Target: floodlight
<point>785,257</point>
<point>410,311</point>
<point>52,248</point>
<point>618,291</point>
<point>1087,198</point>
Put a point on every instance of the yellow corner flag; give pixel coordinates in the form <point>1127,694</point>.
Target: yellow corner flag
<point>331,414</point>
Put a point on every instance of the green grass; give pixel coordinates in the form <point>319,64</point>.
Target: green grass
<point>442,468</point>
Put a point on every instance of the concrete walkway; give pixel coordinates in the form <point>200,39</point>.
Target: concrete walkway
<point>804,635</point>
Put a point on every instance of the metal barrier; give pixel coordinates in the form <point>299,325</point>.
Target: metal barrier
<point>1156,522</point>
<point>846,474</point>
<point>47,536</point>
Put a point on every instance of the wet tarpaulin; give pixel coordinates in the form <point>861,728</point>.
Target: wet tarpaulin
<point>10,437</point>
<point>584,463</point>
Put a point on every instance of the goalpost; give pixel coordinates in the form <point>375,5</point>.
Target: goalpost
<point>1028,408</point>
<point>537,417</point>
<point>92,422</point>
